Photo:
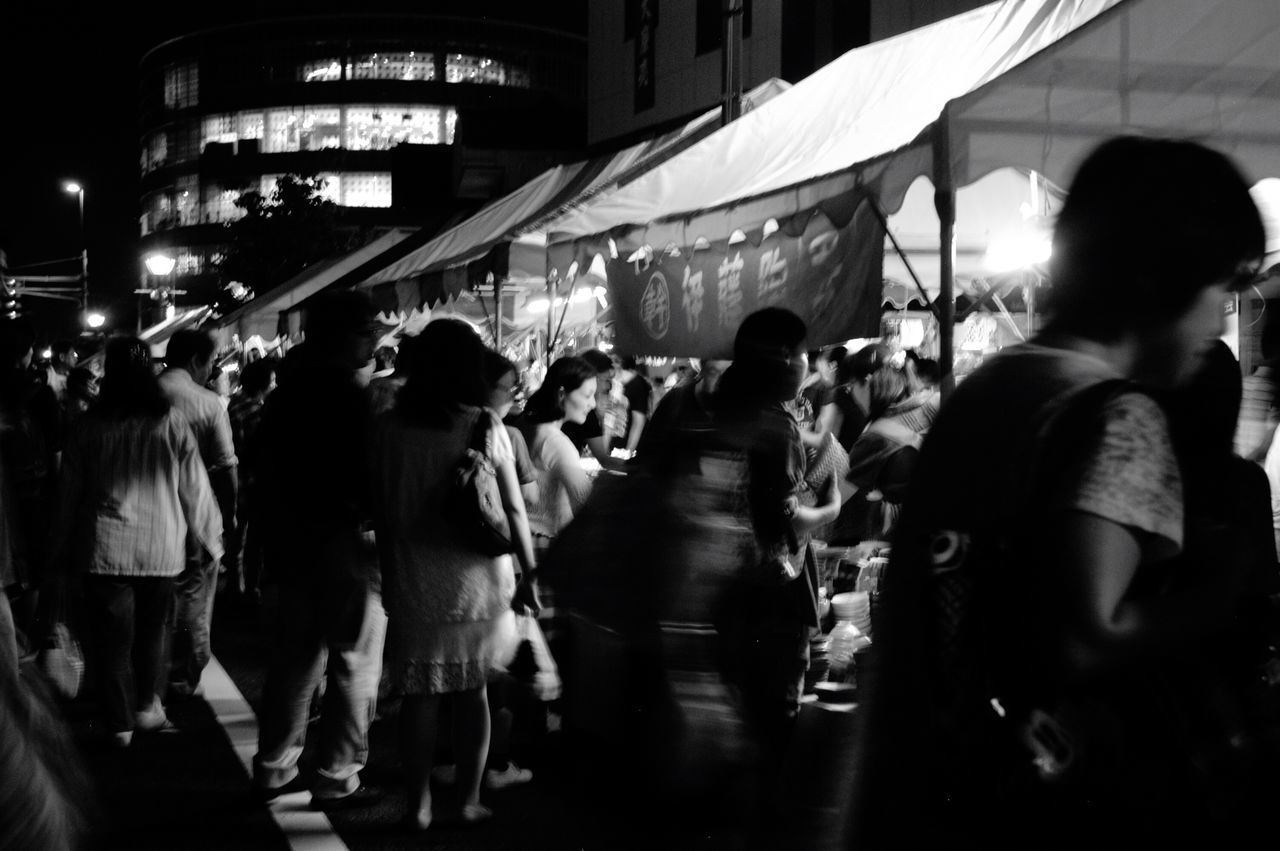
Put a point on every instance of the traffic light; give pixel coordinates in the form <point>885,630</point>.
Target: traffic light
<point>10,306</point>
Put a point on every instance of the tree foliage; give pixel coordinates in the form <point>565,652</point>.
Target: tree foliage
<point>282,233</point>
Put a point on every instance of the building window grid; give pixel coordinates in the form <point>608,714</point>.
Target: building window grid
<point>181,85</point>
<point>484,70</point>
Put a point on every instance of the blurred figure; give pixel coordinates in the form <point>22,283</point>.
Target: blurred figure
<point>30,440</point>
<point>502,380</point>
<point>567,395</point>
<point>883,457</point>
<point>844,413</point>
<point>451,613</point>
<point>82,391</point>
<point>314,481</point>
<point>190,363</point>
<point>384,361</point>
<point>63,360</point>
<point>820,385</point>
<point>244,555</point>
<point>1010,698</point>
<point>1258,408</point>
<point>682,421</point>
<point>383,389</point>
<point>134,495</point>
<point>639,395</point>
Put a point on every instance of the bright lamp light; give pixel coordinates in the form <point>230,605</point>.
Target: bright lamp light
<point>95,320</point>
<point>160,264</point>
<point>1014,251</point>
<point>72,187</point>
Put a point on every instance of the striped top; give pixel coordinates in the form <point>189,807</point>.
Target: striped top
<point>206,414</point>
<point>131,490</point>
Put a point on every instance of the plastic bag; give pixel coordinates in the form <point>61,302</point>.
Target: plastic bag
<point>539,670</point>
<point>62,661</point>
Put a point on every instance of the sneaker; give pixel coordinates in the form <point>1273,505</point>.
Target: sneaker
<point>445,775</point>
<point>151,719</point>
<point>512,775</point>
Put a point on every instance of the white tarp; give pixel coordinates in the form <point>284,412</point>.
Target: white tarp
<point>522,212</point>
<point>1028,83</point>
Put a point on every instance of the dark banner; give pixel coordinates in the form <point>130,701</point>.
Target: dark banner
<point>646,30</point>
<point>688,302</point>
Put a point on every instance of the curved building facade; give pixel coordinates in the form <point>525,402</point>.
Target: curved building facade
<point>411,120</point>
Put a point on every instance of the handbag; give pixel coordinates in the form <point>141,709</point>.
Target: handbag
<point>475,505</point>
<point>61,658</point>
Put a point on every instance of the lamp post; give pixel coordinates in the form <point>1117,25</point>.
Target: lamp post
<point>76,189</point>
<point>162,266</point>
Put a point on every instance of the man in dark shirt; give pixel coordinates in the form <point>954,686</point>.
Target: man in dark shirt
<point>313,475</point>
<point>638,392</point>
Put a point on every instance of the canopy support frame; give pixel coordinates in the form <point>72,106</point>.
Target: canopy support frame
<point>944,201</point>
<point>902,255</point>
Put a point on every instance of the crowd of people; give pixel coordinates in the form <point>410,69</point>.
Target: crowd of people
<point>1079,593</point>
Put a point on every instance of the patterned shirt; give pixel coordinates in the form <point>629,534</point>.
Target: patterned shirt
<point>207,415</point>
<point>132,490</point>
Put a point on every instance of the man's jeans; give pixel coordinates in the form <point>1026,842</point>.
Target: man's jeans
<point>303,649</point>
<point>194,590</point>
<point>130,617</point>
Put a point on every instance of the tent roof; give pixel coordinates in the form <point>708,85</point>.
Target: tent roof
<point>522,212</point>
<point>1030,83</point>
<point>261,315</point>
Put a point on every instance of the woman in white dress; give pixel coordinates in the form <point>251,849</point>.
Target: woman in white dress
<point>449,605</point>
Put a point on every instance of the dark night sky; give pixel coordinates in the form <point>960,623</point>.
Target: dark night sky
<point>69,112</point>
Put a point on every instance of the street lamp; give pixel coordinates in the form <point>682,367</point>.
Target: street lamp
<point>162,266</point>
<point>76,189</point>
<point>95,320</point>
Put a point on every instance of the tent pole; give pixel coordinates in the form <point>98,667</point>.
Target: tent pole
<point>944,200</point>
<point>551,300</point>
<point>497,304</point>
<point>902,255</point>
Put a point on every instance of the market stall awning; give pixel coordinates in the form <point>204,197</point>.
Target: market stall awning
<point>1031,84</point>
<point>261,316</point>
<point>506,237</point>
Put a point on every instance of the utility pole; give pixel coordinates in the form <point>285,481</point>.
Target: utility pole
<point>731,67</point>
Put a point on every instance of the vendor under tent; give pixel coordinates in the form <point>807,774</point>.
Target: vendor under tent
<point>1032,84</point>
<point>507,239</point>
<point>262,316</point>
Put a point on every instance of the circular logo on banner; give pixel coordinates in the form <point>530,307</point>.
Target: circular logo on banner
<point>655,307</point>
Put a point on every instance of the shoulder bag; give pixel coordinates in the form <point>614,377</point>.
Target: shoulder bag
<point>475,505</point>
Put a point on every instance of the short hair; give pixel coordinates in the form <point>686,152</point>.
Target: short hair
<point>1149,224</point>
<point>886,387</point>
<point>129,388</point>
<point>599,361</point>
<point>567,374</point>
<point>62,347</point>
<point>190,344</point>
<point>630,362</point>
<point>771,334</point>
<point>256,377</point>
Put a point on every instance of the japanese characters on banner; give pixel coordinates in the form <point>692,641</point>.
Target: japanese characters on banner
<point>688,301</point>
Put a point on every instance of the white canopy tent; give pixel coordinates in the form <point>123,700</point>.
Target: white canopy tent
<point>1024,83</point>
<point>507,237</point>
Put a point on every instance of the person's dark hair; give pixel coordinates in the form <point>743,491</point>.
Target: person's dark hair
<point>927,369</point>
<point>836,354</point>
<point>129,388</point>
<point>447,371</point>
<point>1270,341</point>
<point>496,367</point>
<point>1203,415</point>
<point>256,377</point>
<point>567,374</point>
<point>404,357</point>
<point>188,344</point>
<point>334,316</point>
<point>61,348</point>
<point>762,351</point>
<point>82,383</point>
<point>1149,224</point>
<point>862,363</point>
<point>630,362</point>
<point>384,357</point>
<point>599,361</point>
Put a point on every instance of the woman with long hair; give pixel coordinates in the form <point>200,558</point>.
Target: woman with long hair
<point>450,605</point>
<point>133,489</point>
<point>567,394</point>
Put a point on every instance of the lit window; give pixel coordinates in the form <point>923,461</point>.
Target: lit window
<point>188,262</point>
<point>186,200</point>
<point>181,85</point>
<point>219,128</point>
<point>461,68</point>
<point>365,189</point>
<point>155,152</point>
<point>320,71</point>
<point>382,127</point>
<point>251,125</point>
<point>374,66</point>
<point>321,128</point>
<point>219,204</point>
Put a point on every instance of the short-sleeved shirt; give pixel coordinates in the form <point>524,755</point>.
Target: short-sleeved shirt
<point>207,415</point>
<point>525,472</point>
<point>638,392</point>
